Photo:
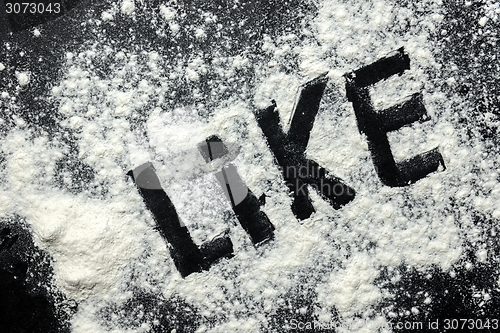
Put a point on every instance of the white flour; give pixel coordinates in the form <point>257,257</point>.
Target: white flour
<point>104,245</point>
<point>23,78</point>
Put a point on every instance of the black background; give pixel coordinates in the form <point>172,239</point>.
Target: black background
<point>24,307</point>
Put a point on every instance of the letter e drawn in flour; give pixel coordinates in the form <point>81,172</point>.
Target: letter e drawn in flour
<point>376,124</point>
<point>187,256</point>
<point>289,151</point>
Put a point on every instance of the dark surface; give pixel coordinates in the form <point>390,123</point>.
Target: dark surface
<point>452,297</point>
<point>25,304</point>
<point>25,308</point>
<point>145,307</point>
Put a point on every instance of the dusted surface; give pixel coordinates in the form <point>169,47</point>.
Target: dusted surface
<point>85,96</point>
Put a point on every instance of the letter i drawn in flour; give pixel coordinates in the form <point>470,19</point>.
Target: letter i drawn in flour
<point>245,204</point>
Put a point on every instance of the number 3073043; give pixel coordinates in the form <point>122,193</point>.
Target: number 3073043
<point>32,8</point>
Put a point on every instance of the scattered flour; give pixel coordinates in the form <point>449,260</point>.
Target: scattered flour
<point>23,78</point>
<point>128,7</point>
<point>104,244</point>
